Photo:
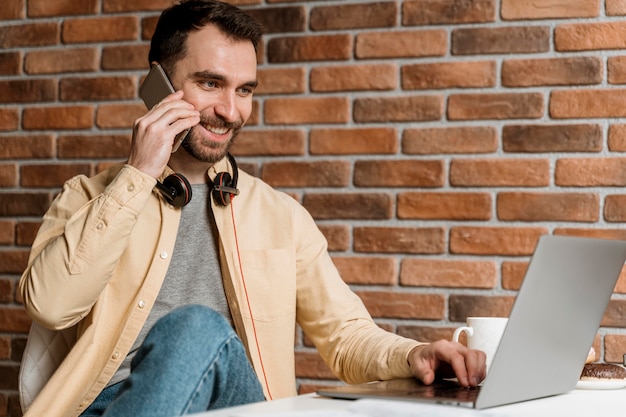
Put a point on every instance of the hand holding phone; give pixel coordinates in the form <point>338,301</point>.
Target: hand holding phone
<point>155,88</point>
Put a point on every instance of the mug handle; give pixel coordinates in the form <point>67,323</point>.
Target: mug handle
<point>458,331</point>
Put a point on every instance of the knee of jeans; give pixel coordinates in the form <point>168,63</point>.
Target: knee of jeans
<point>200,319</point>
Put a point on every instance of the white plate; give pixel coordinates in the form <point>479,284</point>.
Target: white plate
<point>608,384</point>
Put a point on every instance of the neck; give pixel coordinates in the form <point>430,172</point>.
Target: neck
<point>195,171</point>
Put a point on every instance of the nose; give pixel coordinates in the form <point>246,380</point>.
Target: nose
<point>226,106</point>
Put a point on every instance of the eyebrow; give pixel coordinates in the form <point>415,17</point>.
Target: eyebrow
<point>208,75</point>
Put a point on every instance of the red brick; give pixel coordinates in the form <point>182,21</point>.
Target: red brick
<point>100,29</point>
<point>353,16</point>
<point>592,232</point>
<point>9,118</point>
<point>7,232</point>
<point>437,12</point>
<point>444,206</point>
<point>501,241</point>
<point>426,240</point>
<point>47,8</point>
<point>115,116</point>
<point>338,236</point>
<point>552,71</point>
<point>29,34</point>
<point>51,175</point>
<point>10,63</point>
<point>449,75</point>
<point>24,204</point>
<point>615,8</point>
<point>8,175</point>
<point>426,333</point>
<point>501,40</point>
<point>614,348</point>
<point>403,305</point>
<point>588,103</point>
<point>403,44</point>
<point>500,172</point>
<point>12,9</point>
<point>616,69</point>
<point>269,142</point>
<point>26,232</point>
<point>27,147</point>
<point>353,141</point>
<point>278,19</point>
<point>66,117</point>
<point>497,106</point>
<point>281,81</point>
<point>552,138</point>
<point>5,343</point>
<point>614,314</point>
<point>513,274</point>
<point>549,9</point>
<point>14,320</point>
<point>398,109</point>
<point>309,48</point>
<point>590,172</point>
<point>311,365</point>
<point>368,270</point>
<point>60,61</point>
<point>94,89</point>
<point>589,36</point>
<point>12,262</point>
<point>450,140</point>
<point>307,174</point>
<point>615,208</point>
<point>398,173</point>
<point>28,90</point>
<point>307,110</point>
<point>7,291</point>
<point>532,207</point>
<point>464,306</point>
<point>364,206</point>
<point>115,6</point>
<point>93,146</point>
<point>125,57</point>
<point>448,273</point>
<point>8,376</point>
<point>354,78</point>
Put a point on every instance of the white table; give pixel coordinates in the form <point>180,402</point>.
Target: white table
<point>577,403</point>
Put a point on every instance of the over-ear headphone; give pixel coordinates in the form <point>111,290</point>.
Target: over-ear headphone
<point>225,187</point>
<point>176,190</point>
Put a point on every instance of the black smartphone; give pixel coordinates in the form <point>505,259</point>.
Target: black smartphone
<point>155,88</point>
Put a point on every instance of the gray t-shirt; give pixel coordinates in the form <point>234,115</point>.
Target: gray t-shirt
<point>194,275</point>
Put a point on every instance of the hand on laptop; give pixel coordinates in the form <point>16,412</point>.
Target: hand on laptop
<point>445,359</point>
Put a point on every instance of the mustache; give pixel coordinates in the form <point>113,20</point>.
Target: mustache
<point>219,122</point>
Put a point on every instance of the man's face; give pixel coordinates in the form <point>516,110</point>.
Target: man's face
<point>217,76</point>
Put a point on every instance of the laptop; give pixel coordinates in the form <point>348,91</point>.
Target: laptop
<point>552,325</point>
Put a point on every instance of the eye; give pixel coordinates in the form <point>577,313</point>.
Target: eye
<point>246,91</point>
<point>208,84</point>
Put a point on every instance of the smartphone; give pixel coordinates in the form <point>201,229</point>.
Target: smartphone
<point>155,88</point>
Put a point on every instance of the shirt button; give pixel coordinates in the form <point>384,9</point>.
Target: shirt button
<point>163,255</point>
<point>116,355</point>
<point>99,226</point>
<point>130,188</point>
<point>141,303</point>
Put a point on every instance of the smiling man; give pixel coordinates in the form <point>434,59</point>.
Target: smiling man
<point>171,309</point>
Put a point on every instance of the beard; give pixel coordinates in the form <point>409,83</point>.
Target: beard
<point>206,150</point>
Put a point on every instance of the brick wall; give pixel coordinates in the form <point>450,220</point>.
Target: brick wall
<point>434,141</point>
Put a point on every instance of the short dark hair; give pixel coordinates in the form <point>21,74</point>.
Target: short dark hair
<point>176,22</point>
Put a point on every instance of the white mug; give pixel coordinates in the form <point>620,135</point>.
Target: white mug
<point>483,333</point>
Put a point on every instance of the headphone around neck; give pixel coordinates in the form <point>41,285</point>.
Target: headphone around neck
<point>177,190</point>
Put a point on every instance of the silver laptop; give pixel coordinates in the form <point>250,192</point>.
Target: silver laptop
<point>551,327</point>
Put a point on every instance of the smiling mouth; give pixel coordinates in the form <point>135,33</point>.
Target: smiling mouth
<point>218,130</point>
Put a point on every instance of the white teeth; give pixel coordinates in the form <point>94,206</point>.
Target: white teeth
<point>217,130</point>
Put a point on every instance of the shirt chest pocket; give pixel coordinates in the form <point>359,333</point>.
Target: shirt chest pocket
<point>267,285</point>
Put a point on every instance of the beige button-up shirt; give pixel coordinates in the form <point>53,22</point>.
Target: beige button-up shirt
<point>101,255</point>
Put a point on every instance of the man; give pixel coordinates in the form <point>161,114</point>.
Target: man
<point>177,310</point>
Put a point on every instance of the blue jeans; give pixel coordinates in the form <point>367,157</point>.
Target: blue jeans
<point>191,361</point>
